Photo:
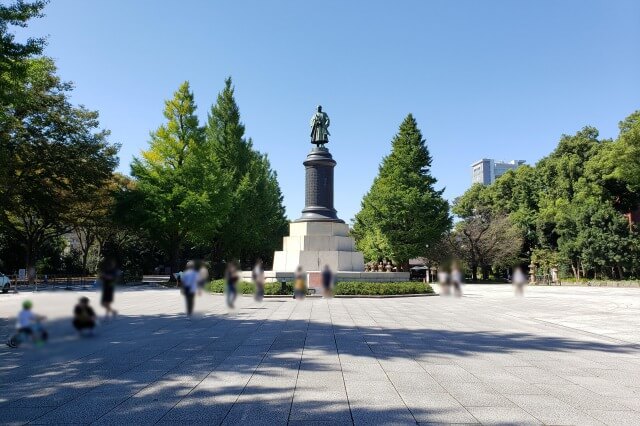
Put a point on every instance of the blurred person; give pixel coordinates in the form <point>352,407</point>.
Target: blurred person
<point>519,281</point>
<point>189,279</point>
<point>108,276</point>
<point>28,324</point>
<point>258,278</point>
<point>456,280</point>
<point>443,282</point>
<point>327,281</point>
<point>203,277</point>
<point>299,284</point>
<point>84,317</point>
<point>231,282</point>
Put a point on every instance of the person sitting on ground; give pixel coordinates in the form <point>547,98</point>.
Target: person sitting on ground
<point>28,324</point>
<point>84,317</point>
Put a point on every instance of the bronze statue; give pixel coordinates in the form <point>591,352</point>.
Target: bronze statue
<point>320,127</point>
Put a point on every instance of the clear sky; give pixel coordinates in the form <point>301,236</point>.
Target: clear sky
<point>495,79</point>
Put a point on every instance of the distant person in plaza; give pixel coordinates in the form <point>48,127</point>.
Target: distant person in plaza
<point>84,317</point>
<point>231,282</point>
<point>299,284</point>
<point>28,324</point>
<point>108,276</point>
<point>456,279</point>
<point>258,278</point>
<point>203,277</point>
<point>327,281</point>
<point>443,281</point>
<point>189,279</point>
<point>519,281</point>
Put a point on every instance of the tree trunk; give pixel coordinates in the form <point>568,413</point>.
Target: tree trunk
<point>474,275</point>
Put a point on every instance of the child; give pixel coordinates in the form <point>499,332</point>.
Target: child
<point>84,317</point>
<point>28,324</point>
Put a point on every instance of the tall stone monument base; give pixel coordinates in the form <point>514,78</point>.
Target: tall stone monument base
<point>312,245</point>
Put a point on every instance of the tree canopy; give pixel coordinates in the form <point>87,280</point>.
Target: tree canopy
<point>403,213</point>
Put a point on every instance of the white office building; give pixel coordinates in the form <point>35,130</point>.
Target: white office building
<point>487,170</point>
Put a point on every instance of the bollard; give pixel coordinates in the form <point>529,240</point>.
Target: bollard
<point>283,287</point>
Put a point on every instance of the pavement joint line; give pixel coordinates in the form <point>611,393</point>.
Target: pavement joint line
<point>166,372</point>
<point>295,387</point>
<point>383,369</point>
<point>258,366</point>
<point>88,368</point>
<point>335,341</point>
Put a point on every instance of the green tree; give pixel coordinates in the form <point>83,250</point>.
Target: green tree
<point>402,212</point>
<point>14,62</point>
<point>170,199</point>
<point>57,156</point>
<point>256,223</point>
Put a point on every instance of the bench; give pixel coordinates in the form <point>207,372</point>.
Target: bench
<point>155,279</point>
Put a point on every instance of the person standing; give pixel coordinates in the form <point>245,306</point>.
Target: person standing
<point>231,282</point>
<point>300,284</point>
<point>519,281</point>
<point>327,281</point>
<point>258,278</point>
<point>108,277</point>
<point>189,279</point>
<point>456,280</point>
<point>203,277</point>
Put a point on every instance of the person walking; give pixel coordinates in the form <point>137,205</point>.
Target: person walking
<point>231,282</point>
<point>258,278</point>
<point>189,279</point>
<point>108,277</point>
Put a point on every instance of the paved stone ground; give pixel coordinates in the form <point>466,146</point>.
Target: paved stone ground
<point>556,356</point>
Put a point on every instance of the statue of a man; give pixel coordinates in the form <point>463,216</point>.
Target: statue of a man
<point>320,127</point>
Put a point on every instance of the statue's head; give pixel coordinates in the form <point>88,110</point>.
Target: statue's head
<point>319,108</point>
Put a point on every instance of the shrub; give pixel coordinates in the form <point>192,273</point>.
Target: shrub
<point>341,288</point>
<point>217,286</point>
<point>368,288</point>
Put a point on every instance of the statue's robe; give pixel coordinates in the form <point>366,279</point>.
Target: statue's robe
<point>319,127</point>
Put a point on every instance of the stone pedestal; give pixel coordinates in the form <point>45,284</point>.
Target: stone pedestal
<point>313,244</point>
<point>318,192</point>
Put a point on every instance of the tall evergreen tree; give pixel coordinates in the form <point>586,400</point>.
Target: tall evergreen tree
<point>170,201</point>
<point>402,213</point>
<point>256,220</point>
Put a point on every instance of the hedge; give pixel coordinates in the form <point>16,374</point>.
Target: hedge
<point>341,288</point>
<point>217,286</point>
<point>391,288</point>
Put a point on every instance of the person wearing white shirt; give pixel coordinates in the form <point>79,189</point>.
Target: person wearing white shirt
<point>189,279</point>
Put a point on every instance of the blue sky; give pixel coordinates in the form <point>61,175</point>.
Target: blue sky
<point>496,79</point>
